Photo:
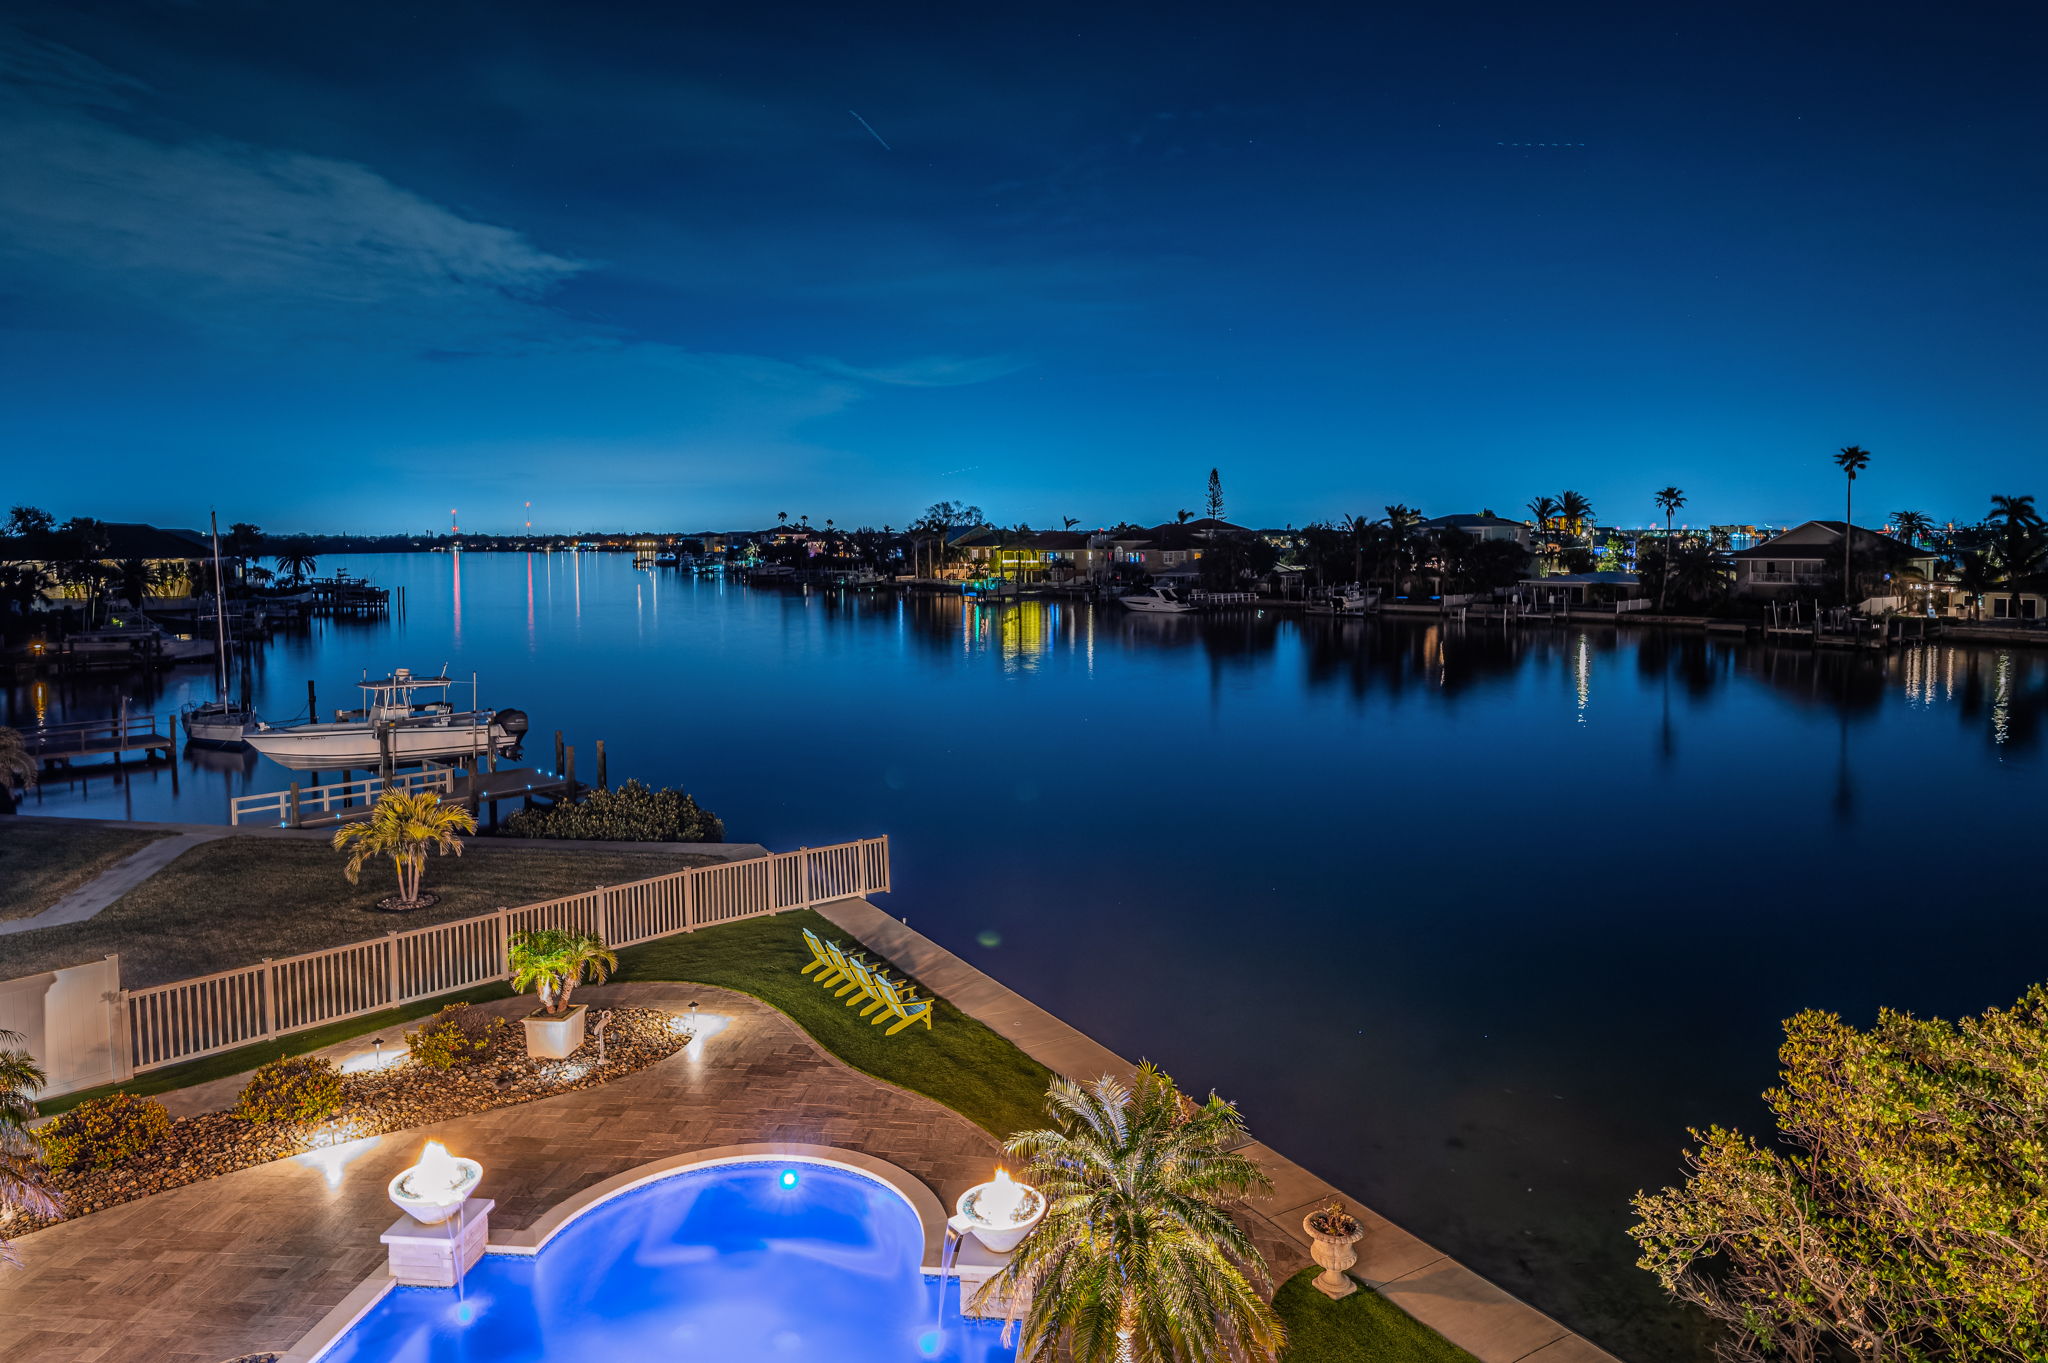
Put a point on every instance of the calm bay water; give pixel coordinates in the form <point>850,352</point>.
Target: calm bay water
<point>1474,924</point>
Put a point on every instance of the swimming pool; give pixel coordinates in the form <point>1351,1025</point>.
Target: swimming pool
<point>731,1263</point>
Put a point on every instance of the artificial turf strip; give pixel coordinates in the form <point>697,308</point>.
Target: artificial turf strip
<point>1362,1328</point>
<point>959,1062</point>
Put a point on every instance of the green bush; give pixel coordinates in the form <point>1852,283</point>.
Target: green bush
<point>454,1036</point>
<point>632,813</point>
<point>103,1131</point>
<point>296,1088</point>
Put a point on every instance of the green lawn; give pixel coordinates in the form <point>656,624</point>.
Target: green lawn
<point>239,899</point>
<point>40,863</point>
<point>959,1063</point>
<point>1363,1328</point>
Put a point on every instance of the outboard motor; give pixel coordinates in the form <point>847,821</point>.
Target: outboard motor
<point>513,722</point>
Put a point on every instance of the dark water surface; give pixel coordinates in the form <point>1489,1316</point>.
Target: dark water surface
<point>1474,924</point>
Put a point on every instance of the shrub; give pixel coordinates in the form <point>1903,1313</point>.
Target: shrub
<point>454,1036</point>
<point>103,1131</point>
<point>632,813</point>
<point>297,1088</point>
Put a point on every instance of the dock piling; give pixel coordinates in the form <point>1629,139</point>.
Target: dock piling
<point>600,766</point>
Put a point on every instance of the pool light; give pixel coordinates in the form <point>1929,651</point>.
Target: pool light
<point>788,1178</point>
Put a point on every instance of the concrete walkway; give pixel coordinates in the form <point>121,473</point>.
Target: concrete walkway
<point>117,880</point>
<point>250,1261</point>
<point>1429,1285</point>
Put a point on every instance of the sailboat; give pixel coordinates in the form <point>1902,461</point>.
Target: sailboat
<point>218,722</point>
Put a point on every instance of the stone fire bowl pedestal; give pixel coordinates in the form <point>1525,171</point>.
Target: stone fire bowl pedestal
<point>1335,1254</point>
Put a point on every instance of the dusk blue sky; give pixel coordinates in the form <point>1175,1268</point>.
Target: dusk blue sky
<point>344,267</point>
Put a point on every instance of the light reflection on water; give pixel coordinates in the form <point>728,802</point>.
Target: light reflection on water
<point>1474,922</point>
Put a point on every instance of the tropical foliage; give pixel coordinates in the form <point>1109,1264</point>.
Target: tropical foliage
<point>1851,460</point>
<point>454,1036</point>
<point>103,1131</point>
<point>1138,1258</point>
<point>295,1088</point>
<point>2019,542</point>
<point>298,565</point>
<point>1668,499</point>
<point>24,1186</point>
<point>406,828</point>
<point>1898,1214</point>
<point>17,767</point>
<point>552,963</point>
<point>631,813</point>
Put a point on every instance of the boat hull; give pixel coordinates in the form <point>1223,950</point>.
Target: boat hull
<point>219,728</point>
<point>1144,607</point>
<point>358,745</point>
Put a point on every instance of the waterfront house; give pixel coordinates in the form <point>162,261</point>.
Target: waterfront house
<point>1578,589</point>
<point>1483,525</point>
<point>1800,561</point>
<point>173,557</point>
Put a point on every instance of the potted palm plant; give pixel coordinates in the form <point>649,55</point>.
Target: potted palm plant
<point>552,963</point>
<point>1138,1255</point>
<point>406,828</point>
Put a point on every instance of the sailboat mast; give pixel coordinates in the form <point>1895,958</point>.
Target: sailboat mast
<point>220,612</point>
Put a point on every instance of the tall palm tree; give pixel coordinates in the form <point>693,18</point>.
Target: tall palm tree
<point>1400,524</point>
<point>1668,499</point>
<point>1851,460</point>
<point>1544,509</point>
<point>1574,509</point>
<point>17,767</point>
<point>24,1184</point>
<point>1138,1258</point>
<point>299,564</point>
<point>2016,538</point>
<point>404,827</point>
<point>1975,579</point>
<point>1912,526</point>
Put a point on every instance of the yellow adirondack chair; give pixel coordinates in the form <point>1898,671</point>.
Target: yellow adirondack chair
<point>905,991</point>
<point>846,963</point>
<point>905,1010</point>
<point>864,983</point>
<point>818,956</point>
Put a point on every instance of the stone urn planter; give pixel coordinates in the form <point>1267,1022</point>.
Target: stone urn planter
<point>1332,1231</point>
<point>551,1037</point>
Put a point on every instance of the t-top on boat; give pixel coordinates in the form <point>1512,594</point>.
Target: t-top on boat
<point>413,729</point>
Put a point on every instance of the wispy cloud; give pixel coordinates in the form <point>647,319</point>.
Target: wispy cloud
<point>933,371</point>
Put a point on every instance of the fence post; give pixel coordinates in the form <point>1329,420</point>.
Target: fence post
<point>504,942</point>
<point>604,914</point>
<point>269,999</point>
<point>120,1047</point>
<point>295,804</point>
<point>391,946</point>
<point>690,900</point>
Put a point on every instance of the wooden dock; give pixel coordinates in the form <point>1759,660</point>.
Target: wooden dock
<point>59,744</point>
<point>340,802</point>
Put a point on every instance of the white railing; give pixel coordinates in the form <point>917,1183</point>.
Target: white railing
<point>287,807</point>
<point>175,1022</point>
<point>1635,603</point>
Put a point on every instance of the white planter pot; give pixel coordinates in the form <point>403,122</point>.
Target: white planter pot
<point>1335,1254</point>
<point>555,1038</point>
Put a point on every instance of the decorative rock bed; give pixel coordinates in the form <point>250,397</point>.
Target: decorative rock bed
<point>400,1096</point>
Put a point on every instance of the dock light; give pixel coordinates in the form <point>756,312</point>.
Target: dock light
<point>789,1178</point>
<point>434,1189</point>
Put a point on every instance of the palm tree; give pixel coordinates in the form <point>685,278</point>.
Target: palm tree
<point>1975,579</point>
<point>1360,529</point>
<point>17,767</point>
<point>1574,510</point>
<point>1912,526</point>
<point>1070,521</point>
<point>1669,499</point>
<point>554,962</point>
<point>24,1186</point>
<point>405,827</point>
<point>1851,460</point>
<point>1400,523</point>
<point>1544,509</point>
<point>138,579</point>
<point>1138,1256</point>
<point>1183,516</point>
<point>299,564</point>
<point>2016,538</point>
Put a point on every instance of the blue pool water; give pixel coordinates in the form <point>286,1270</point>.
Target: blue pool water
<point>729,1264</point>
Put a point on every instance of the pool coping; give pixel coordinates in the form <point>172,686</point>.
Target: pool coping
<point>530,1241</point>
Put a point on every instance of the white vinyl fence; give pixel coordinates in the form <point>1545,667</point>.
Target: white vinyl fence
<point>170,1023</point>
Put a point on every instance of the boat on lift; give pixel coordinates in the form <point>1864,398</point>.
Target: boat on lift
<point>219,722</point>
<point>1159,600</point>
<point>407,717</point>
